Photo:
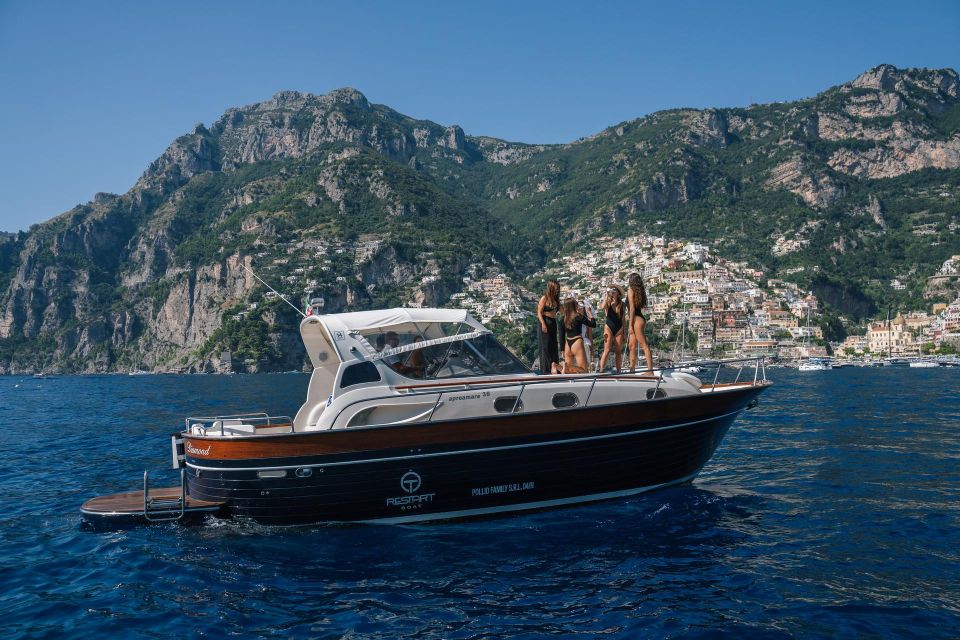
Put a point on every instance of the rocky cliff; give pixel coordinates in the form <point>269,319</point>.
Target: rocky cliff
<point>350,204</point>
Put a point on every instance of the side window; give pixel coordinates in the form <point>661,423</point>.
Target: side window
<point>507,404</point>
<point>358,374</point>
<point>565,400</point>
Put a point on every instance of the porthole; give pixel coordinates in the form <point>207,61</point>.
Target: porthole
<point>656,393</point>
<point>304,472</point>
<point>505,404</point>
<point>565,400</point>
<point>272,473</point>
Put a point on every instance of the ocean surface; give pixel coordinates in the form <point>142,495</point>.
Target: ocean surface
<point>832,510</point>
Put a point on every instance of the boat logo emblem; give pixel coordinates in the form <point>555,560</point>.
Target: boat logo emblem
<point>410,482</point>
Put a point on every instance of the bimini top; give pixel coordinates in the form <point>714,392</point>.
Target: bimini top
<point>365,321</point>
<point>354,335</point>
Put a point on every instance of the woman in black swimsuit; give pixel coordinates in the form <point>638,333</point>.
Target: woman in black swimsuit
<point>636,301</point>
<point>571,333</point>
<point>613,328</point>
<point>547,324</point>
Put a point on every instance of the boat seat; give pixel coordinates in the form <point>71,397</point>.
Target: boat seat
<point>238,429</point>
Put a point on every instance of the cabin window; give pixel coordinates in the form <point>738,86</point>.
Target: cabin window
<point>656,393</point>
<point>358,374</point>
<point>565,400</point>
<point>505,404</point>
<point>272,473</point>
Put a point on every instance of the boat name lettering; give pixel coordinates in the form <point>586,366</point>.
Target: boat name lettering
<point>199,452</point>
<point>401,501</point>
<point>502,488</point>
<point>469,396</point>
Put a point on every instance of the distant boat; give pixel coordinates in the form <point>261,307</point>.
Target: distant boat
<point>814,365</point>
<point>139,372</point>
<point>924,364</point>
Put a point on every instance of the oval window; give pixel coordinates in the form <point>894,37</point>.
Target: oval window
<point>505,404</point>
<point>565,400</point>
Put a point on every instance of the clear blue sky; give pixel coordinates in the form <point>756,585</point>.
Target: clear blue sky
<point>91,92</point>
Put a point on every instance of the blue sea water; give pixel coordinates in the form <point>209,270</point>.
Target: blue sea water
<point>832,510</point>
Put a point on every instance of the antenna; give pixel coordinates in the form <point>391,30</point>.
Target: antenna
<point>282,297</point>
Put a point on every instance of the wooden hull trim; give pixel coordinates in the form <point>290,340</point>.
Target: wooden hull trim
<point>419,456</point>
<point>353,443</point>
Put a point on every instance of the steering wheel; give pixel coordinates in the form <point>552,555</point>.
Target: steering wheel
<point>433,365</point>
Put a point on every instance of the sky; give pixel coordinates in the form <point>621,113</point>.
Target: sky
<point>92,92</point>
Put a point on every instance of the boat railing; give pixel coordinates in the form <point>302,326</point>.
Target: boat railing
<point>260,420</point>
<point>645,377</point>
<point>758,369</point>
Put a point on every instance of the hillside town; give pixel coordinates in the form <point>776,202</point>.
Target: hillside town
<point>727,308</point>
<point>731,307</point>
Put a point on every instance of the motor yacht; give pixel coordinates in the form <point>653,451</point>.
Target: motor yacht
<point>421,414</point>
<point>814,364</point>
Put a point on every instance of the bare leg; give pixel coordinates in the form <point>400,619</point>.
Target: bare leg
<point>618,356</point>
<point>607,343</point>
<point>639,325</point>
<point>579,353</point>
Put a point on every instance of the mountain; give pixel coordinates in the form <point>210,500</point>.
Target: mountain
<point>354,205</point>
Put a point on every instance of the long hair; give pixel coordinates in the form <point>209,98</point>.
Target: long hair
<point>636,291</point>
<point>552,293</point>
<point>570,311</point>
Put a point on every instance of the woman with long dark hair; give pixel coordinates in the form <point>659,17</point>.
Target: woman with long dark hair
<point>613,328</point>
<point>636,301</point>
<point>571,333</point>
<point>547,309</point>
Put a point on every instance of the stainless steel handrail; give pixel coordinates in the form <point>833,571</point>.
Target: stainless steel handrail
<point>490,385</point>
<point>261,419</point>
<point>148,503</point>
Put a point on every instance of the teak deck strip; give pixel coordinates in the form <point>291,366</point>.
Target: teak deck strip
<point>132,501</point>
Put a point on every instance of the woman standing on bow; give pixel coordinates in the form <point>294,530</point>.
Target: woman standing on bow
<point>613,328</point>
<point>572,323</point>
<point>636,301</point>
<point>547,310</point>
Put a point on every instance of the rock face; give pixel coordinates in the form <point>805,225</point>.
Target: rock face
<point>816,189</point>
<point>709,129</point>
<point>901,156</point>
<point>383,209</point>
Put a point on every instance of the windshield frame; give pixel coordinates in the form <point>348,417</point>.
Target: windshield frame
<point>434,364</point>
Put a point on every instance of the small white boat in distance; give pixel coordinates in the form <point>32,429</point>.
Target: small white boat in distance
<point>924,364</point>
<point>814,364</point>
